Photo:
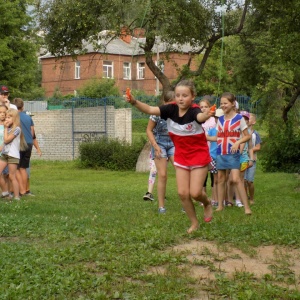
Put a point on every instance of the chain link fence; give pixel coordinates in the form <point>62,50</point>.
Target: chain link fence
<point>36,105</point>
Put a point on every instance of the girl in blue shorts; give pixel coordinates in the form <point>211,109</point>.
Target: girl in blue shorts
<point>162,151</point>
<point>232,131</point>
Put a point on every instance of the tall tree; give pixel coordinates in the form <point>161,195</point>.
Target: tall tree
<point>68,22</point>
<point>18,47</point>
<point>269,52</point>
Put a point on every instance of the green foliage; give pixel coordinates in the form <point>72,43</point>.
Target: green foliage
<point>281,149</point>
<point>217,75</point>
<point>139,125</point>
<point>110,154</point>
<point>19,45</point>
<point>99,88</point>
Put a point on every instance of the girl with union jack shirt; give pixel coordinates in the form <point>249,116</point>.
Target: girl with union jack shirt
<point>232,131</point>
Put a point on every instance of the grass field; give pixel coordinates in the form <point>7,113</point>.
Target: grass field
<point>89,235</point>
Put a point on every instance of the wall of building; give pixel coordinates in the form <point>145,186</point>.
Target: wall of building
<point>59,132</point>
<point>60,74</point>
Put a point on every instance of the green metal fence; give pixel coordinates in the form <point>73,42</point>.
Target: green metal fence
<point>245,103</point>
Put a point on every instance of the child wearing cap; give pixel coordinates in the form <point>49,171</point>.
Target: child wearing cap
<point>4,93</point>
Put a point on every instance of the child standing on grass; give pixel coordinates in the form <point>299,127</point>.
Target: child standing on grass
<point>162,151</point>
<point>246,161</point>
<point>213,153</point>
<point>207,125</point>
<point>13,143</point>
<point>250,172</point>
<point>191,158</point>
<point>232,131</point>
<point>4,176</point>
<point>151,180</point>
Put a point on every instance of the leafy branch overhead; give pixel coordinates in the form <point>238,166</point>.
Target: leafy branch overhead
<point>199,23</point>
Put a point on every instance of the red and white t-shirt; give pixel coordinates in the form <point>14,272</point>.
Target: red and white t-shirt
<point>187,135</point>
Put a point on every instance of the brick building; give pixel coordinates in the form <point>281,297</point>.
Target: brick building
<point>121,59</point>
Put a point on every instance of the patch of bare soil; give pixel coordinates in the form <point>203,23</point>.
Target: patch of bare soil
<point>206,259</point>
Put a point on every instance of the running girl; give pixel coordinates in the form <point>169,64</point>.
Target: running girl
<point>191,158</point>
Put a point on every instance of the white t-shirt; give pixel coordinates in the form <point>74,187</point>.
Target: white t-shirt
<point>12,106</point>
<point>13,148</point>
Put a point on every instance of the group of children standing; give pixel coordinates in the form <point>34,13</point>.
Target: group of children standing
<point>15,150</point>
<point>192,158</point>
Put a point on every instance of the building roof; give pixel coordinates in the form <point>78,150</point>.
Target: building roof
<point>120,47</point>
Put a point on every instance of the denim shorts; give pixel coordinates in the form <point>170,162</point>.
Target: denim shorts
<point>249,173</point>
<point>228,161</point>
<point>5,171</point>
<point>166,145</point>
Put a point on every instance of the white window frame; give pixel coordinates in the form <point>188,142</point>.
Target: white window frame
<point>108,69</point>
<point>77,69</point>
<point>126,70</point>
<point>141,70</point>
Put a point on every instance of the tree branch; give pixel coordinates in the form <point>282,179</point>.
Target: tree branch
<point>288,83</point>
<point>290,104</point>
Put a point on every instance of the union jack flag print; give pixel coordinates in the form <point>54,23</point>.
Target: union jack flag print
<point>229,131</point>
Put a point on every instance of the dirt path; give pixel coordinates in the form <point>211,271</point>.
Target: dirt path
<point>206,259</point>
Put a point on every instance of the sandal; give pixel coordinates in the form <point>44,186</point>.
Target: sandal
<point>229,204</point>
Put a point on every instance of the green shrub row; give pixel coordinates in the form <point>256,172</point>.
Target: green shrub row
<point>281,149</point>
<point>110,154</point>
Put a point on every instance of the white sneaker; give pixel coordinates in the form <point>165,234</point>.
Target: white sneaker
<point>238,203</point>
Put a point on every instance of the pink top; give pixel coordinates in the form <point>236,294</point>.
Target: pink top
<point>209,124</point>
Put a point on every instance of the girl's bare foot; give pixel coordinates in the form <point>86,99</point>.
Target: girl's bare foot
<point>248,211</point>
<point>192,228</point>
<point>220,209</point>
<point>251,202</point>
<point>208,212</point>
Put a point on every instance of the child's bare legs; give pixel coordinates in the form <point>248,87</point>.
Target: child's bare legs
<point>230,189</point>
<point>241,189</point>
<point>251,191</point>
<point>215,188</point>
<point>197,175</point>
<point>221,188</point>
<point>238,196</point>
<point>161,167</point>
<point>12,176</point>
<point>3,183</point>
<point>152,176</point>
<point>22,176</point>
<point>183,188</point>
<point>189,184</point>
<point>3,165</point>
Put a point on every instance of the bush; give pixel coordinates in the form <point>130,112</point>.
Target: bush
<point>99,88</point>
<point>110,154</point>
<point>281,150</point>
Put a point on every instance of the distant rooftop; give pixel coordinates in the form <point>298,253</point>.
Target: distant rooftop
<point>131,48</point>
